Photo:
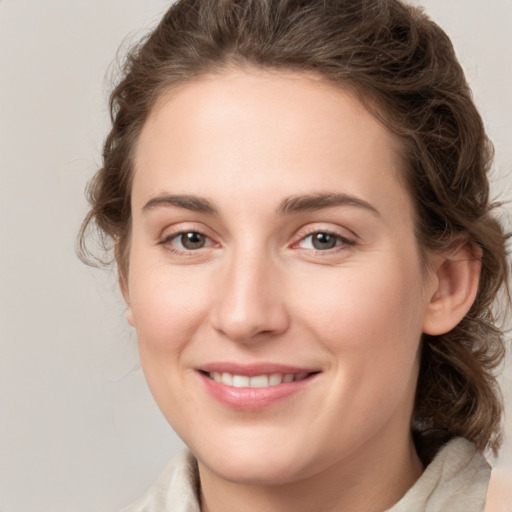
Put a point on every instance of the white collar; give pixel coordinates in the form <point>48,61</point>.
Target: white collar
<point>456,481</point>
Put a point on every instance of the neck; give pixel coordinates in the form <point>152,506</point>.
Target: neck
<point>371,482</point>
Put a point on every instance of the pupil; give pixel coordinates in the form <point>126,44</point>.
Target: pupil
<point>192,240</point>
<point>323,241</point>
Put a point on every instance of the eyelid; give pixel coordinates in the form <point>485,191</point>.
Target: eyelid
<point>172,232</point>
<point>344,235</point>
<point>307,231</point>
<point>208,240</point>
<point>319,227</point>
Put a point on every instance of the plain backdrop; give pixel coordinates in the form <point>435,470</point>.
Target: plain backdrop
<point>79,430</point>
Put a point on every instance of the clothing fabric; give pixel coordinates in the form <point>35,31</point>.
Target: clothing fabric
<point>455,480</point>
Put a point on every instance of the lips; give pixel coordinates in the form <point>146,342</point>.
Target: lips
<point>253,387</point>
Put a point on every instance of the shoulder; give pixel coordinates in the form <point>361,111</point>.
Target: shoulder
<point>456,479</point>
<point>176,488</point>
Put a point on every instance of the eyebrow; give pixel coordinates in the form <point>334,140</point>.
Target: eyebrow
<point>290,205</point>
<point>296,204</point>
<point>188,202</point>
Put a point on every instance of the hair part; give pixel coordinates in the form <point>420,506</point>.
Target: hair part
<point>403,67</point>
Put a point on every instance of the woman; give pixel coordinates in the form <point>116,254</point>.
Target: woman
<point>297,198</point>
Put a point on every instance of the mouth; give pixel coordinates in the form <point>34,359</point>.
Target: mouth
<point>254,387</point>
<point>256,381</point>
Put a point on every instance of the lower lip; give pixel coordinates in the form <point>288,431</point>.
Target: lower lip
<point>253,399</point>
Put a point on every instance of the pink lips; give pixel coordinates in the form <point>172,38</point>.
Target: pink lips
<point>253,387</point>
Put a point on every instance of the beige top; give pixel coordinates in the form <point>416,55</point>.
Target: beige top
<point>456,481</point>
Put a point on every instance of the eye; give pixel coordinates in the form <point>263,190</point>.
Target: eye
<point>323,241</point>
<point>188,241</point>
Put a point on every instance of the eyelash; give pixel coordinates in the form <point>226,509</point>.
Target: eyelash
<point>342,242</point>
<point>167,242</point>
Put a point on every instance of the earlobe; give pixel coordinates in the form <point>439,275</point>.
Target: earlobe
<point>458,274</point>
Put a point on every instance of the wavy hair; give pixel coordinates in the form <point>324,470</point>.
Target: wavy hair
<point>403,67</point>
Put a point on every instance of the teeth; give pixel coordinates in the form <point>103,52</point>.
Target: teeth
<point>258,381</point>
<point>275,379</point>
<point>227,378</point>
<point>240,381</point>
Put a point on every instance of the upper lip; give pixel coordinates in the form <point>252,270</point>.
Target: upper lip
<point>250,370</point>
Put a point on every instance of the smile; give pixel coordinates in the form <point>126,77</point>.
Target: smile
<point>254,387</point>
<point>256,381</point>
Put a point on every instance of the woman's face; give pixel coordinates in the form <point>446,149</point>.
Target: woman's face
<point>274,277</point>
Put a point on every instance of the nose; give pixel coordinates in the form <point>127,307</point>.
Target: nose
<point>249,301</point>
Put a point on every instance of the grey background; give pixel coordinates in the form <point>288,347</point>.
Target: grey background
<point>78,429</point>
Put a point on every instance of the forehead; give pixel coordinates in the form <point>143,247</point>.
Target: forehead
<point>251,130</point>
<point>255,102</point>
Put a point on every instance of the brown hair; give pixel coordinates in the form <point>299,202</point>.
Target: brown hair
<point>403,66</point>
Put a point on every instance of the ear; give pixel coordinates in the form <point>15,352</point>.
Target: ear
<point>122,279</point>
<point>457,273</point>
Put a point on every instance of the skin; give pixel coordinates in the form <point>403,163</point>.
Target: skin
<point>258,290</point>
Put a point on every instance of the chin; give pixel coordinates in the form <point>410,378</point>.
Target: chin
<point>254,470</point>
<point>254,463</point>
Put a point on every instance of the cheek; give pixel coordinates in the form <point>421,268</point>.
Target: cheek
<point>364,302</point>
<point>166,306</point>
<point>370,320</point>
<point>167,310</point>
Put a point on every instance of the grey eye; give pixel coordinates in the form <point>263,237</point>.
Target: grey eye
<point>191,240</point>
<point>324,241</point>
